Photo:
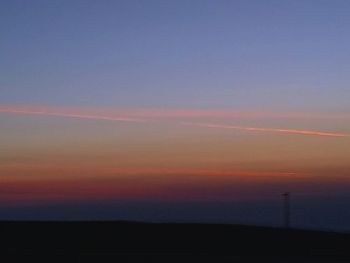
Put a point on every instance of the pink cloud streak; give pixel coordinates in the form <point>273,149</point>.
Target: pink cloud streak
<point>144,114</point>
<point>253,129</point>
<point>159,113</point>
<point>71,115</point>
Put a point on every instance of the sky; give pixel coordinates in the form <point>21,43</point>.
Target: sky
<point>175,110</point>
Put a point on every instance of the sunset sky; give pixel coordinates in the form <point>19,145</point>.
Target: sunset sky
<point>175,110</point>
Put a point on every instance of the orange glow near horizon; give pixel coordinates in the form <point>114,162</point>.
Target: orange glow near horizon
<point>165,154</point>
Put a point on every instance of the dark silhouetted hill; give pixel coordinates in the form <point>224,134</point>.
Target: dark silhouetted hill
<point>146,242</point>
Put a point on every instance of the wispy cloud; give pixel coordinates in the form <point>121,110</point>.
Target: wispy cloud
<point>39,173</point>
<point>160,113</point>
<point>254,129</point>
<point>67,114</point>
<point>201,172</point>
<point>145,114</point>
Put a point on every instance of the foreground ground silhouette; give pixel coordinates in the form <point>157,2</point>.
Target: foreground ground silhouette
<point>144,242</point>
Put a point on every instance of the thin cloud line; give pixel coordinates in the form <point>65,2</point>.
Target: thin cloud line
<point>254,129</point>
<point>160,113</point>
<point>95,117</point>
<point>207,125</point>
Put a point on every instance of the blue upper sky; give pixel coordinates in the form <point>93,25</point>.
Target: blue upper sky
<point>280,55</point>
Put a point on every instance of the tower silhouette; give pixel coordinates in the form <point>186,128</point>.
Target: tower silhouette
<point>286,209</point>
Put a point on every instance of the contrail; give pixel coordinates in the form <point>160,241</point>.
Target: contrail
<point>147,115</point>
<point>169,113</point>
<point>253,129</point>
<point>71,115</point>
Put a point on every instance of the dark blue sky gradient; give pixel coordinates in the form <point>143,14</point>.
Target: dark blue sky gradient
<point>329,213</point>
<point>176,53</point>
